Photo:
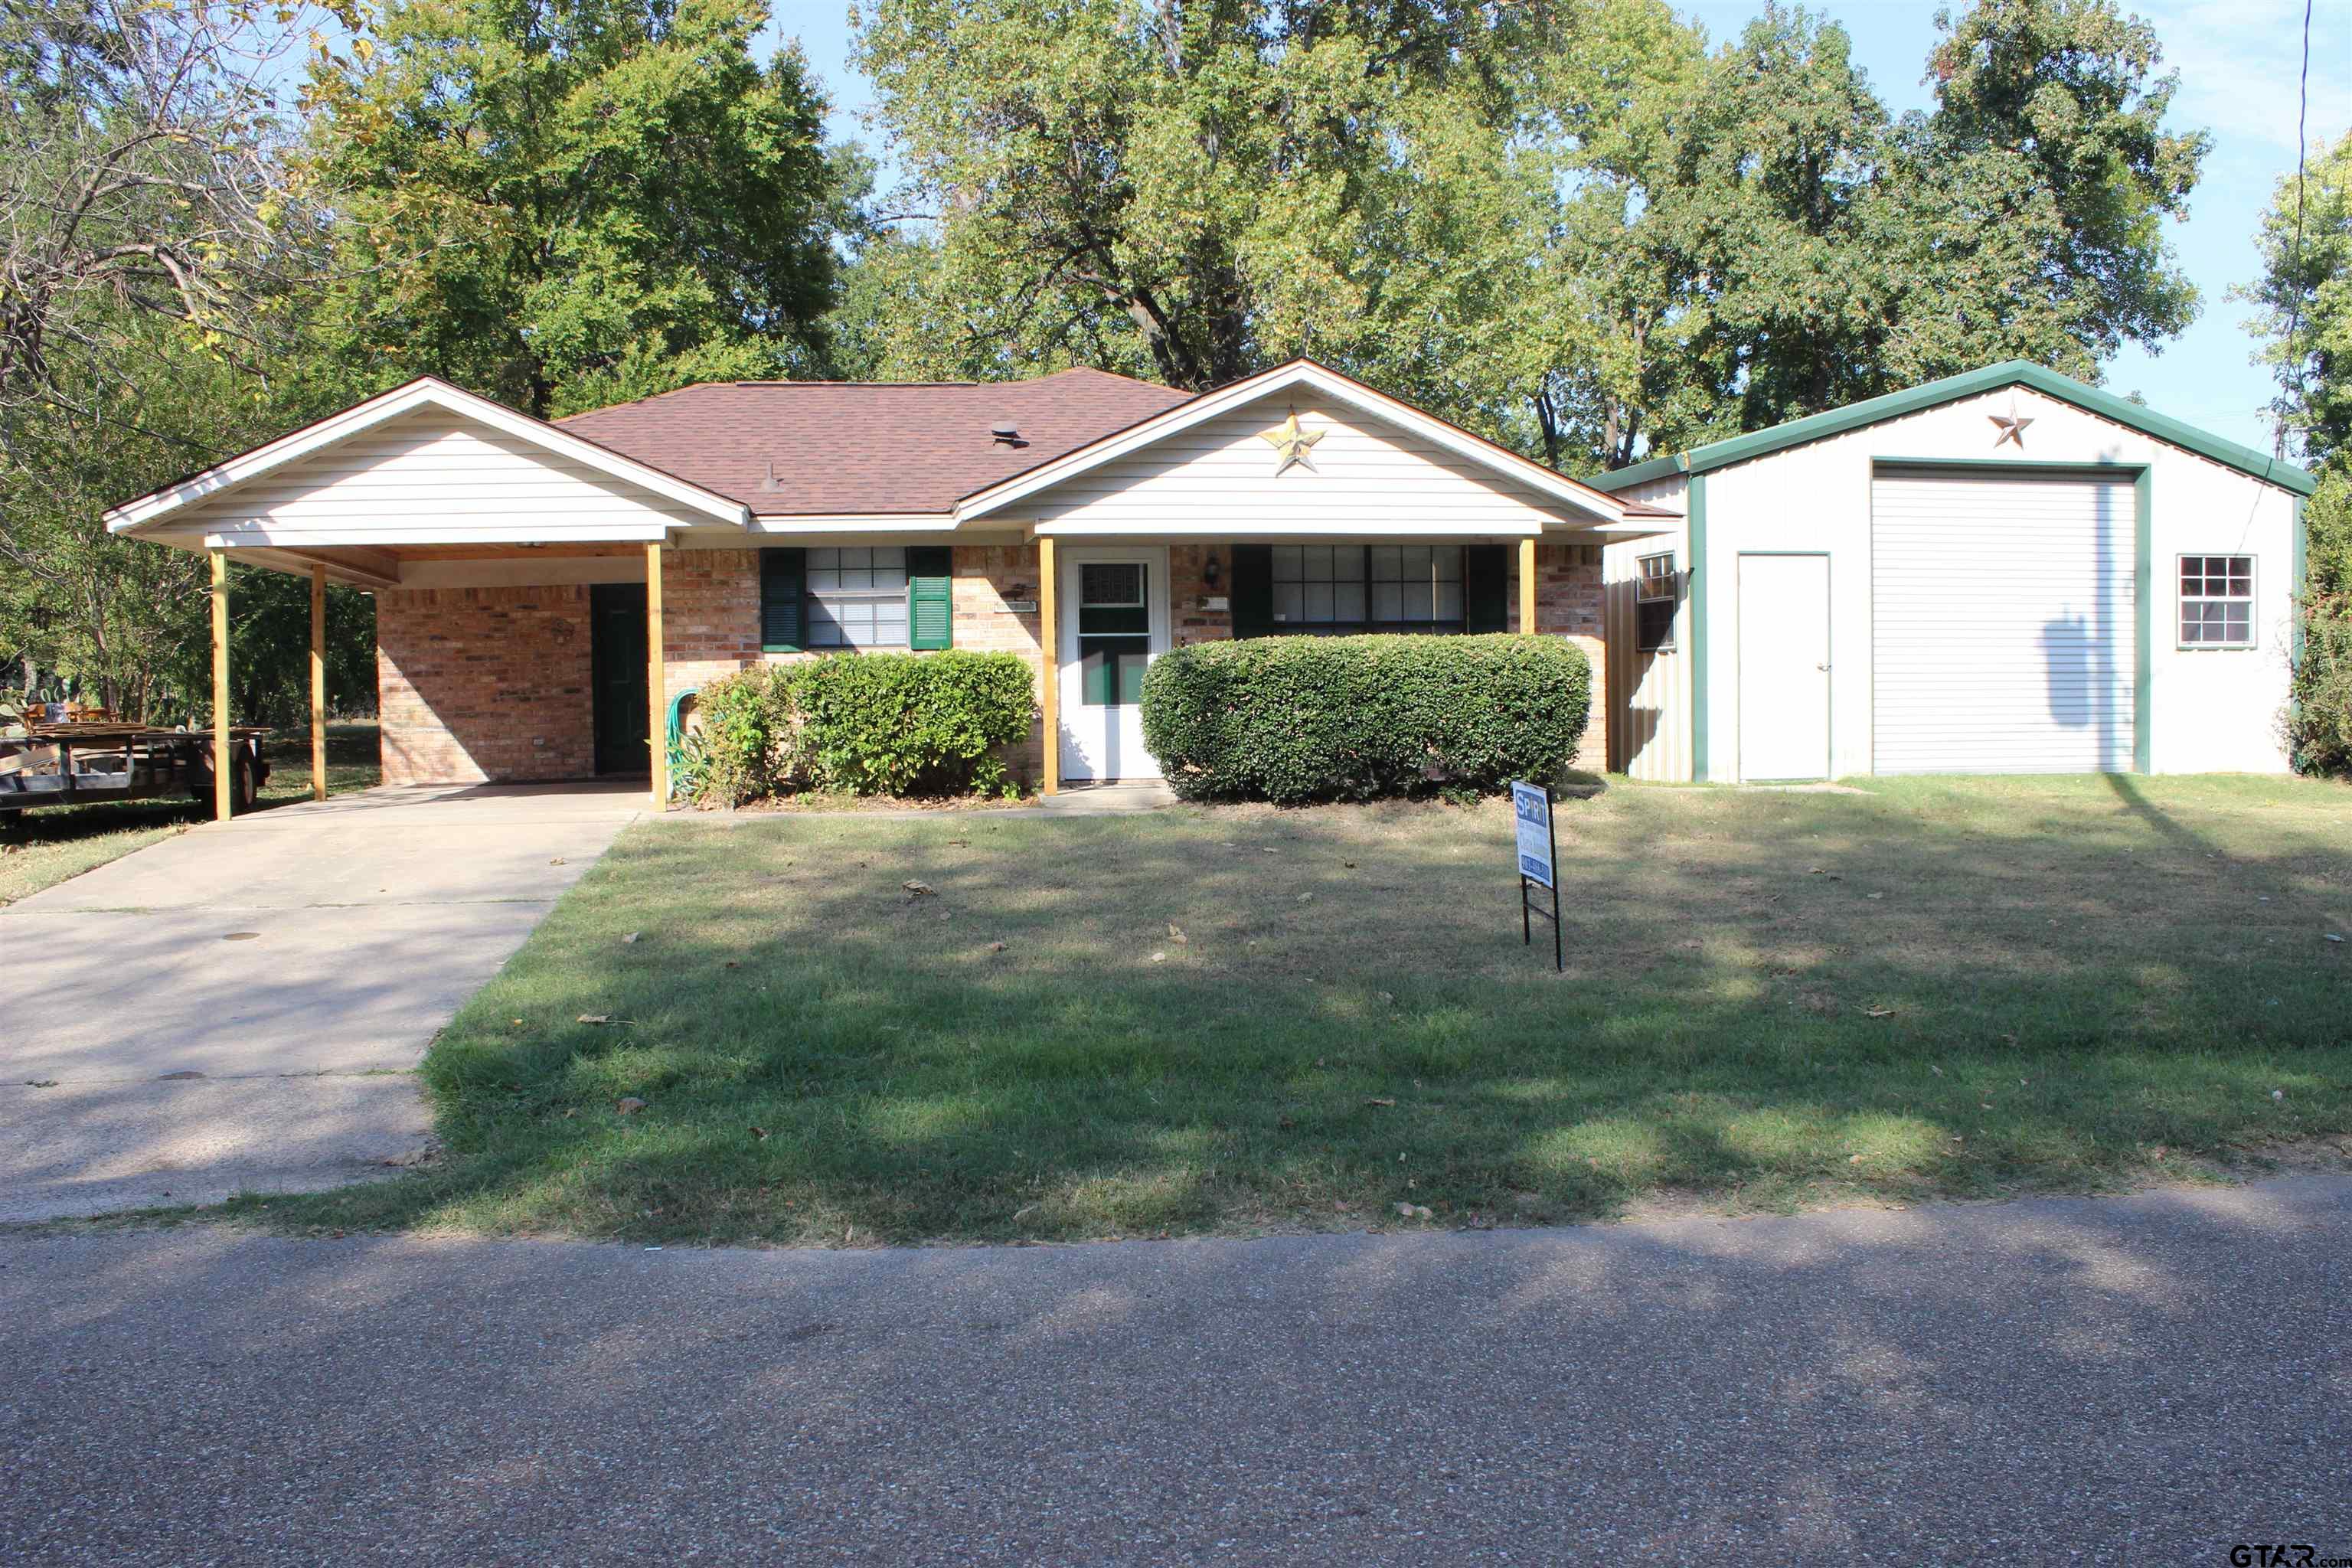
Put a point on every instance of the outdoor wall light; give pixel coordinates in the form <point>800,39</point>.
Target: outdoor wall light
<point>1208,572</point>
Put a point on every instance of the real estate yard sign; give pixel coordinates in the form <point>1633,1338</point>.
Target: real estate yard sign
<point>1538,852</point>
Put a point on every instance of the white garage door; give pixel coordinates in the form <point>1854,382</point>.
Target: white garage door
<point>2001,622</point>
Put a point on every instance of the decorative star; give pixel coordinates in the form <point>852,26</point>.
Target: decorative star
<point>2012,428</point>
<point>1293,444</point>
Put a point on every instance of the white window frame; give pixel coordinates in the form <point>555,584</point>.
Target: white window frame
<point>1642,595</point>
<point>877,598</point>
<point>2181,601</point>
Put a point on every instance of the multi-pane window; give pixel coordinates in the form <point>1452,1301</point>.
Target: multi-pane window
<point>1654,602</point>
<point>2217,601</point>
<point>857,597</point>
<point>1348,587</point>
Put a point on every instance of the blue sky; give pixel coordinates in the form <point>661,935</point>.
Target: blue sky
<point>2238,61</point>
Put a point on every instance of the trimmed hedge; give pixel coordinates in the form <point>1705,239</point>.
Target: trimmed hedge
<point>871,723</point>
<point>1299,717</point>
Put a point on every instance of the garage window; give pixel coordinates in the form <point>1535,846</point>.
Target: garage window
<point>2217,601</point>
<point>1653,602</point>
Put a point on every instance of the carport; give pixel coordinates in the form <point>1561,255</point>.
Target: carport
<point>431,485</point>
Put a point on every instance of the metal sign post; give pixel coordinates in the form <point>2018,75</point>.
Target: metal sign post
<point>1539,851</point>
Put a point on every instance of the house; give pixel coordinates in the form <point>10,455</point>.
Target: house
<point>543,590</point>
<point>2007,570</point>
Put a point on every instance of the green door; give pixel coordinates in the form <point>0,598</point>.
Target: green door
<point>617,657</point>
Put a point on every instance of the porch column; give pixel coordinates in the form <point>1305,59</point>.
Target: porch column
<point>1049,645</point>
<point>224,773</point>
<point>1527,587</point>
<point>656,699</point>
<point>318,682</point>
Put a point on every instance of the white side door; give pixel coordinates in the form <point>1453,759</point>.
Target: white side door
<point>1784,667</point>
<point>1114,620</point>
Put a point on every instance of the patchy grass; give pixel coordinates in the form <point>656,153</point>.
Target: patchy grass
<point>43,847</point>
<point>1935,988</point>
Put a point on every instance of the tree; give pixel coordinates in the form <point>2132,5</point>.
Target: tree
<point>2033,198</point>
<point>564,202</point>
<point>2305,316</point>
<point>1197,188</point>
<point>2303,301</point>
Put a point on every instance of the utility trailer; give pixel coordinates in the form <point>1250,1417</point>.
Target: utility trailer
<point>85,761</point>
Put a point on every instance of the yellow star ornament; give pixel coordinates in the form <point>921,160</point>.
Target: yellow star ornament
<point>1292,444</point>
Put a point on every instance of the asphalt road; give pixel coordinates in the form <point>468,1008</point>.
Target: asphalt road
<point>2147,1380</point>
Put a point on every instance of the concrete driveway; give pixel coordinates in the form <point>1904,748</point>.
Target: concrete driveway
<point>2133,1380</point>
<point>241,1007</point>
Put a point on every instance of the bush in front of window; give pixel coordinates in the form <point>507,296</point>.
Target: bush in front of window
<point>1292,719</point>
<point>903,723</point>
<point>2319,723</point>
<point>743,750</point>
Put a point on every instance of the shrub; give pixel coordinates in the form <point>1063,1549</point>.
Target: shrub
<point>1300,719</point>
<point>2320,724</point>
<point>743,751</point>
<point>872,723</point>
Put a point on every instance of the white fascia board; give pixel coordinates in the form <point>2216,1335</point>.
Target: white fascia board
<point>1344,389</point>
<point>261,537</point>
<point>1218,529</point>
<point>854,522</point>
<point>400,400</point>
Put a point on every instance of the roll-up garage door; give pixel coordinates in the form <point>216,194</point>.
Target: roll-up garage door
<point>2003,631</point>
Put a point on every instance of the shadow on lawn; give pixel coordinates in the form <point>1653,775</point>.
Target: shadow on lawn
<point>1769,998</point>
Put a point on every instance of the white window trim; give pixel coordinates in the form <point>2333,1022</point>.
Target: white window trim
<point>2181,601</point>
<point>1673,595</point>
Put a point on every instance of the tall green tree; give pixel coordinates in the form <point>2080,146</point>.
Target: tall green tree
<point>2304,317</point>
<point>1196,188</point>
<point>563,202</point>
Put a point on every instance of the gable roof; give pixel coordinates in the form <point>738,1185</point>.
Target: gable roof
<point>876,448</point>
<point>425,392</point>
<point>1322,378</point>
<point>1952,389</point>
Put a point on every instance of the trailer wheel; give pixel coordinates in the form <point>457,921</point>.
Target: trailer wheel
<point>245,791</point>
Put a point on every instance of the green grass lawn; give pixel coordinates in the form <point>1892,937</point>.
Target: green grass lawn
<point>43,847</point>
<point>1935,988</point>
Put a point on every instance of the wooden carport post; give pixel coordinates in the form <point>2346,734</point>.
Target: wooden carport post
<point>224,773</point>
<point>1527,587</point>
<point>318,682</point>
<point>656,699</point>
<point>1049,648</point>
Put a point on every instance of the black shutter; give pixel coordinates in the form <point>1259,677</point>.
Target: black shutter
<point>931,597</point>
<point>783,578</point>
<point>1253,590</point>
<point>1485,587</point>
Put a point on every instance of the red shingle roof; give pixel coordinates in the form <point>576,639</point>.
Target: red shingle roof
<point>851,447</point>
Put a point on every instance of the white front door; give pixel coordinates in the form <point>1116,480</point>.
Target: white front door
<point>1114,620</point>
<point>1784,667</point>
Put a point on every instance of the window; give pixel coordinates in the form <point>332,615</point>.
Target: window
<point>1653,602</point>
<point>857,597</point>
<point>2217,601</point>
<point>1380,587</point>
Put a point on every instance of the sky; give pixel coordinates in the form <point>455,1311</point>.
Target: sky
<point>2238,61</point>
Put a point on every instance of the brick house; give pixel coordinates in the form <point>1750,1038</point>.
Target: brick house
<point>544,590</point>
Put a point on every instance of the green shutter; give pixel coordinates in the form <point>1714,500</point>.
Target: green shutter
<point>1485,588</point>
<point>930,597</point>
<point>784,576</point>
<point>1252,590</point>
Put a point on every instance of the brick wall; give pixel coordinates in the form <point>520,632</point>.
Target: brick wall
<point>1568,604</point>
<point>483,684</point>
<point>711,615</point>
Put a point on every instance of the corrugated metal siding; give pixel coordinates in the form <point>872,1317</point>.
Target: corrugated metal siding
<point>1648,693</point>
<point>2002,623</point>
